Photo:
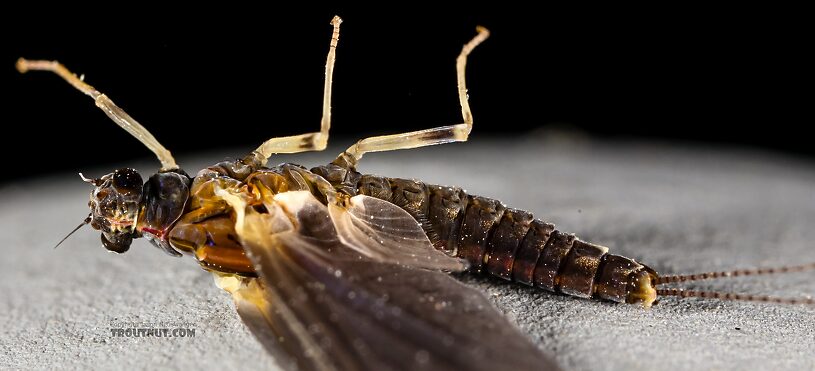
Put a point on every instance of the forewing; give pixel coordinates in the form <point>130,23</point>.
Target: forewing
<point>385,232</point>
<point>328,307</point>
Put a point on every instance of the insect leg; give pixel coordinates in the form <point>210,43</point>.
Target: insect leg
<point>310,141</point>
<point>427,137</point>
<point>119,116</point>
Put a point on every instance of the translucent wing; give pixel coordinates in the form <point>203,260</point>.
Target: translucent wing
<point>385,232</point>
<point>319,305</point>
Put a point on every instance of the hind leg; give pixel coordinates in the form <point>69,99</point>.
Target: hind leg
<point>427,137</point>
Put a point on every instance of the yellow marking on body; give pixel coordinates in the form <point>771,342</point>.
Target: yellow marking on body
<point>644,292</point>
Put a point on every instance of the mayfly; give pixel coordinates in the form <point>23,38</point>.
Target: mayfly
<point>334,269</point>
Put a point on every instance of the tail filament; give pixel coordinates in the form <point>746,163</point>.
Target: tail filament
<point>685,293</point>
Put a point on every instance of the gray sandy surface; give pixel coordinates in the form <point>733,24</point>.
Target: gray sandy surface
<point>678,209</point>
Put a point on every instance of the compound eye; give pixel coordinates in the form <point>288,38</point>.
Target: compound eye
<point>127,181</point>
<point>119,245</point>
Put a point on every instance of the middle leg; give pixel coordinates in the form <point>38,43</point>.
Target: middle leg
<point>316,141</point>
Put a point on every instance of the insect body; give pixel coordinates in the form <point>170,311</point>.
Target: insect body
<point>335,269</point>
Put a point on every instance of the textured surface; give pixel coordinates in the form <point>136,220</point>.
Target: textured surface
<point>677,209</point>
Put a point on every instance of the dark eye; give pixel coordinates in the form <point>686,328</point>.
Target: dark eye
<point>119,243</point>
<point>127,180</point>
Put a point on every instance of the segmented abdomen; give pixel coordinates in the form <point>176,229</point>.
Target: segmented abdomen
<point>505,242</point>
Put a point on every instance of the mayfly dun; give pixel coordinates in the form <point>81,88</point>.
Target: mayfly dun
<point>334,269</point>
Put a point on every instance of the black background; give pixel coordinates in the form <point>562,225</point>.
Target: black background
<point>208,77</point>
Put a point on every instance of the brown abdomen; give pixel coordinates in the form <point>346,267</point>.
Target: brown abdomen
<point>504,242</point>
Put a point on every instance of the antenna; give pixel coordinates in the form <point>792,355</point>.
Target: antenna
<point>84,222</point>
